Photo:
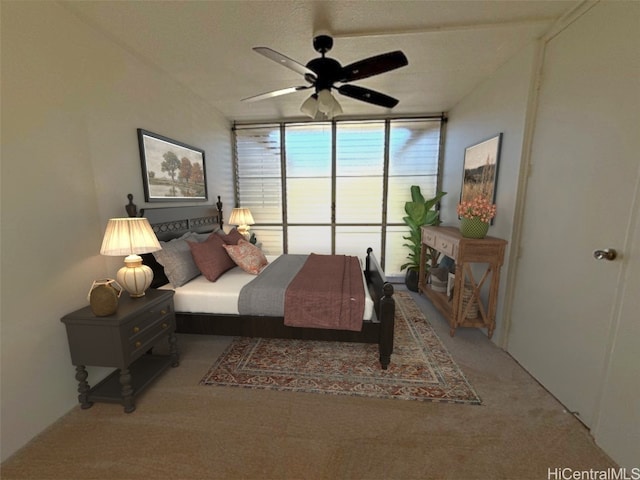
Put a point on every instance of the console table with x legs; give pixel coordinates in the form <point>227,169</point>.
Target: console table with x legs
<point>466,307</point>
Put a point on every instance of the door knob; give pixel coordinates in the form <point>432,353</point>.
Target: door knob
<point>606,254</point>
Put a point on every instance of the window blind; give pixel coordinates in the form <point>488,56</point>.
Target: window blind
<point>258,173</point>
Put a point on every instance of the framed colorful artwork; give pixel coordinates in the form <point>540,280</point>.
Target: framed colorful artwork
<point>480,171</point>
<point>171,170</point>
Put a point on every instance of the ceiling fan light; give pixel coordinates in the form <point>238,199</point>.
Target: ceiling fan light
<point>325,101</point>
<point>310,106</point>
<point>329,105</point>
<point>337,109</point>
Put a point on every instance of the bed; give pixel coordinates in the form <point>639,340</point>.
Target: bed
<point>219,317</point>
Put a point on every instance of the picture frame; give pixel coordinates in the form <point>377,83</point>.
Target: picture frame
<point>172,171</point>
<point>480,169</point>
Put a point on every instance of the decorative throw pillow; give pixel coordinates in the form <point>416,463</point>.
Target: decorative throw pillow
<point>177,261</point>
<point>211,257</point>
<point>231,238</point>
<point>247,256</point>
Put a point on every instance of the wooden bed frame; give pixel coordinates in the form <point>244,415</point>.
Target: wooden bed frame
<point>172,222</point>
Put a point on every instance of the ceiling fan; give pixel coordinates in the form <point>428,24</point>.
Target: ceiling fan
<point>323,73</point>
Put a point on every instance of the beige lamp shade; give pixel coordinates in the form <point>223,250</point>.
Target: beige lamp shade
<point>242,218</point>
<point>131,237</point>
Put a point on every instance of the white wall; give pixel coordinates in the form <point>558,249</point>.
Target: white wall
<point>71,103</point>
<point>498,105</point>
<point>584,316</point>
<point>505,103</point>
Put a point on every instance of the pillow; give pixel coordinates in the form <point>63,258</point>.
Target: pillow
<point>247,256</point>
<point>177,261</point>
<point>231,238</point>
<point>201,237</point>
<point>159,277</point>
<point>211,257</point>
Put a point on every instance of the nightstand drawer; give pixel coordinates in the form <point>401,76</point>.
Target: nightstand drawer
<point>149,336</point>
<point>148,320</point>
<point>428,238</point>
<point>446,246</point>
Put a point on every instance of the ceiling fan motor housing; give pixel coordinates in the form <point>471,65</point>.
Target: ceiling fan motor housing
<point>328,72</point>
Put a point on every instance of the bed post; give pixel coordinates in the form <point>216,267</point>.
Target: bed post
<point>131,208</point>
<point>220,216</point>
<point>382,293</point>
<point>387,325</point>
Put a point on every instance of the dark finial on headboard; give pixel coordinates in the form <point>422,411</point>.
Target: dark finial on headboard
<point>131,208</point>
<point>220,215</point>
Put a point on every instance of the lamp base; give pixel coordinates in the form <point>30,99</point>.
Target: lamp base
<point>135,277</point>
<point>243,230</point>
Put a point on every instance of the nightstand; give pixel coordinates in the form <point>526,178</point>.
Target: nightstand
<point>123,340</point>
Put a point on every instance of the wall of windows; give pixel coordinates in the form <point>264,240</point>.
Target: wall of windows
<point>335,187</point>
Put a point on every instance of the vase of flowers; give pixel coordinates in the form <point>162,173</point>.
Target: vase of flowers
<point>475,215</point>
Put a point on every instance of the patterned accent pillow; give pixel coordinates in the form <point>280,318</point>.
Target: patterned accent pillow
<point>211,257</point>
<point>247,256</point>
<point>177,261</point>
<point>231,238</point>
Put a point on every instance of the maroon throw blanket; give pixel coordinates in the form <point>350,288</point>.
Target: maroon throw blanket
<point>327,292</point>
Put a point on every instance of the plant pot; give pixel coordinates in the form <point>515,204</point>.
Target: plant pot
<point>411,279</point>
<point>473,228</point>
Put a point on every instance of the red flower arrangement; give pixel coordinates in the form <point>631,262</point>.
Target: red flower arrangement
<point>478,207</point>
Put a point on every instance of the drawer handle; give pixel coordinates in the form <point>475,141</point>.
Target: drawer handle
<point>163,312</point>
<point>165,325</point>
<point>136,329</point>
<point>138,344</point>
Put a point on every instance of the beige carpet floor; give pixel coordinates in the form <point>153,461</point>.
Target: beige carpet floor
<point>182,430</point>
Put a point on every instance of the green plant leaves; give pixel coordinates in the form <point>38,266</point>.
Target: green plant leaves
<point>419,212</point>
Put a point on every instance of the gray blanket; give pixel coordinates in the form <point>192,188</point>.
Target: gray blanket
<point>264,295</point>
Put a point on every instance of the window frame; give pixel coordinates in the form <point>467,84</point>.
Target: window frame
<point>384,224</point>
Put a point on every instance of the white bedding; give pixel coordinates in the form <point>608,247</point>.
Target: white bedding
<point>202,296</point>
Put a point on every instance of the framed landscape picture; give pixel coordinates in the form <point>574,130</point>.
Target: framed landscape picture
<point>171,170</point>
<point>481,169</point>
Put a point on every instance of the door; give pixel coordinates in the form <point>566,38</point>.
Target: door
<point>584,172</point>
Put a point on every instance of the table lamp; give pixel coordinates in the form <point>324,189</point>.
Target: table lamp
<point>131,237</point>
<point>242,218</point>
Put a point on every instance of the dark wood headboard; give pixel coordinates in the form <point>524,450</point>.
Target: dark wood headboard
<point>172,222</point>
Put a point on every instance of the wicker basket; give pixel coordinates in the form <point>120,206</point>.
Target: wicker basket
<point>472,312</point>
<point>103,297</point>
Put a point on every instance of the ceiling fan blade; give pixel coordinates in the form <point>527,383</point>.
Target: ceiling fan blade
<point>373,66</point>
<point>275,93</point>
<point>287,62</point>
<point>369,96</point>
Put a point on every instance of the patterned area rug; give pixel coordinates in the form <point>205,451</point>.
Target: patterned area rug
<point>421,367</point>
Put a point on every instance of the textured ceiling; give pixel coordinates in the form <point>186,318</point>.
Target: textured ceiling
<point>452,46</point>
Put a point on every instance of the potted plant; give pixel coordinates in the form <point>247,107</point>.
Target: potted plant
<point>419,212</point>
<point>475,215</point>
